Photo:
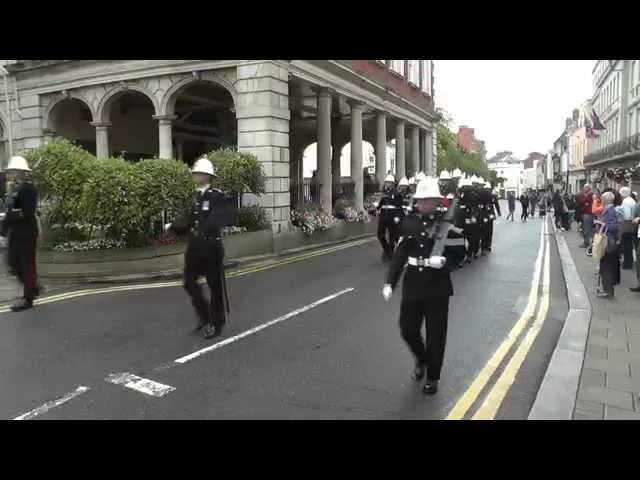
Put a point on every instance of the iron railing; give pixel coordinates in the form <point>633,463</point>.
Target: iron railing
<point>628,145</point>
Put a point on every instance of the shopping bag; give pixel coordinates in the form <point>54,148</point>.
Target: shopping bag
<point>599,246</point>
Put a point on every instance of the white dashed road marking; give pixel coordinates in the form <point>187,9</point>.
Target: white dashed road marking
<point>140,384</point>
<point>55,403</point>
<point>229,340</point>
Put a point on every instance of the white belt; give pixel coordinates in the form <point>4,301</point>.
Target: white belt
<point>389,207</point>
<point>417,262</point>
<point>427,262</point>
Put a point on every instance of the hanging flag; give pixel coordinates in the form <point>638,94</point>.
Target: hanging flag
<point>589,119</point>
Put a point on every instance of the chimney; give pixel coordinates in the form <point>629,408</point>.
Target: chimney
<point>576,115</point>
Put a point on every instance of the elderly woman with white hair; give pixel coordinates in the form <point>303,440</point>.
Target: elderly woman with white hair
<point>627,228</point>
<point>609,264</point>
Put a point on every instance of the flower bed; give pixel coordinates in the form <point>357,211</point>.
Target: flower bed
<point>312,218</point>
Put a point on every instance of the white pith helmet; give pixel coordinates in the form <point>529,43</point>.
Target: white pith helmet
<point>420,176</point>
<point>445,175</point>
<point>457,173</point>
<point>18,163</point>
<point>412,181</point>
<point>404,182</point>
<point>204,165</point>
<point>428,188</point>
<point>390,178</point>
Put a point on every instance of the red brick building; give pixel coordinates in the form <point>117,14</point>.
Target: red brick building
<point>468,141</point>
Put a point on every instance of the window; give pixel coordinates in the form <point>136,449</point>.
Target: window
<point>425,84</point>
<point>414,72</point>
<point>398,66</point>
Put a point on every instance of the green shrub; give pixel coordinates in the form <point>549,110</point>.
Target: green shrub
<point>60,171</point>
<point>239,172</point>
<point>126,197</point>
<point>253,219</point>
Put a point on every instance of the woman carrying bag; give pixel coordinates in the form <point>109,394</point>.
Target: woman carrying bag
<point>605,246</point>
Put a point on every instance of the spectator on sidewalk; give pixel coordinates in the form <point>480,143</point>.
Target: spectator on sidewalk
<point>636,222</point>
<point>608,265</point>
<point>511,200</point>
<point>568,211</point>
<point>585,205</point>
<point>617,204</point>
<point>524,201</point>
<point>627,227</point>
<point>556,202</point>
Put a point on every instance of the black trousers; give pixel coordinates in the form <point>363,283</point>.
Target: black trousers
<point>487,236</point>
<point>609,271</point>
<point>525,213</point>
<point>211,267</point>
<point>627,250</point>
<point>434,313</point>
<point>22,260</point>
<point>388,226</point>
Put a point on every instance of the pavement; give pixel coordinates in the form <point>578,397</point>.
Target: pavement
<point>309,337</point>
<point>610,378</point>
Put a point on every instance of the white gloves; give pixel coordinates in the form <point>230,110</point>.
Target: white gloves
<point>167,227</point>
<point>437,262</point>
<point>387,291</point>
<point>396,219</point>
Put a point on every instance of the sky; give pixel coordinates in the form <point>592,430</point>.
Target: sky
<point>516,105</point>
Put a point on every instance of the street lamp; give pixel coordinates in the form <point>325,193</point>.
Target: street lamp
<point>5,75</point>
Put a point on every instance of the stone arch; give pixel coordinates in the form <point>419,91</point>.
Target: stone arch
<point>168,102</point>
<point>55,101</point>
<point>103,111</point>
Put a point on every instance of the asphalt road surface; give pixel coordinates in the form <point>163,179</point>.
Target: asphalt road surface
<point>332,350</point>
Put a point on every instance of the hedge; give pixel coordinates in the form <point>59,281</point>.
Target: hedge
<point>122,202</point>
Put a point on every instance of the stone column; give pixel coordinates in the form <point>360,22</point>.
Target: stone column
<point>262,110</point>
<point>381,147</point>
<point>165,135</point>
<point>324,148</point>
<point>102,139</point>
<point>356,153</point>
<point>336,154</point>
<point>423,150</point>
<point>415,151</point>
<point>431,152</point>
<point>180,149</point>
<point>401,169</point>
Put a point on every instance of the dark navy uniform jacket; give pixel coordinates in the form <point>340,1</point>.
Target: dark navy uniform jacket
<point>20,221</point>
<point>416,244</point>
<point>211,211</point>
<point>394,200</point>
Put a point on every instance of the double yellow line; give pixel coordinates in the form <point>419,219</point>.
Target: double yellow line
<point>495,397</point>
<point>259,267</point>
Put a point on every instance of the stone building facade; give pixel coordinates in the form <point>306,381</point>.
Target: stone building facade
<point>272,108</point>
<point>616,100</point>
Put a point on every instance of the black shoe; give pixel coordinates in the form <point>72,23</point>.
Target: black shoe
<point>484,253</point>
<point>210,332</point>
<point>21,305</point>
<point>635,289</point>
<point>468,260</point>
<point>604,295</point>
<point>198,329</point>
<point>430,388</point>
<point>418,373</point>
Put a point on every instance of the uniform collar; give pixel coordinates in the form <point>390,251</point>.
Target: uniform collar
<point>204,189</point>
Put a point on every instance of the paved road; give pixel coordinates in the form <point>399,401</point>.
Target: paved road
<point>342,359</point>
